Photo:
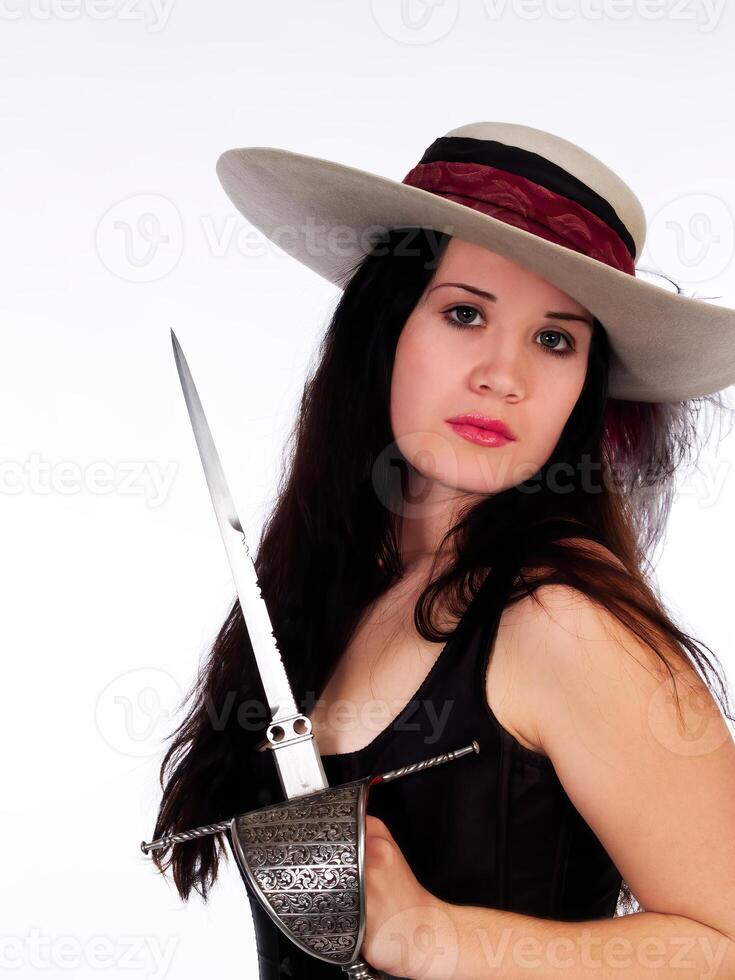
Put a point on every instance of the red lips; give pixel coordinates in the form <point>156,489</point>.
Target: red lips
<point>483,422</point>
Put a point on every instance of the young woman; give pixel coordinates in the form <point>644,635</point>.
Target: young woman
<point>431,581</point>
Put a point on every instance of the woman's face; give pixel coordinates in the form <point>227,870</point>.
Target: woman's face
<point>506,358</point>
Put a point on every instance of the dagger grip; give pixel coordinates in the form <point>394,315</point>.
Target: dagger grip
<point>360,970</point>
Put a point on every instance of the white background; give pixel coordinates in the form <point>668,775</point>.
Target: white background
<point>114,229</point>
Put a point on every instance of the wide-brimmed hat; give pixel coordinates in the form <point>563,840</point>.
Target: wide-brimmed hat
<point>531,196</point>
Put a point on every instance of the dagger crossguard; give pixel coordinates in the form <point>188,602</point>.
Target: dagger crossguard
<point>185,835</point>
<point>304,861</point>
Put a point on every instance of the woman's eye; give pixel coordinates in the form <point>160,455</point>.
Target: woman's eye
<point>471,310</point>
<point>564,351</point>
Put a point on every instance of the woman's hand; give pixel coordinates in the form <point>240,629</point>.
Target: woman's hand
<point>402,932</point>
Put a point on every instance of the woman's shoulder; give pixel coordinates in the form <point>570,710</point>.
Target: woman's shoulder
<point>560,616</point>
<point>539,599</point>
<point>566,641</point>
<point>551,641</point>
<point>516,678</point>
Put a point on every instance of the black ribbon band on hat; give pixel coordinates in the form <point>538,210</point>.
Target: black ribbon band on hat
<point>532,166</point>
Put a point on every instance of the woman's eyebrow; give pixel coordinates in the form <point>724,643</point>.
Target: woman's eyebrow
<point>492,298</point>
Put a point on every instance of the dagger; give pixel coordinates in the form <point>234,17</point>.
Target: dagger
<point>289,734</point>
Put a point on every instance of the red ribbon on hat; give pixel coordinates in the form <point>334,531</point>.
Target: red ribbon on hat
<point>525,204</point>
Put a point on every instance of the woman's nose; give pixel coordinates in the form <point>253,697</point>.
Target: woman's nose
<point>502,371</point>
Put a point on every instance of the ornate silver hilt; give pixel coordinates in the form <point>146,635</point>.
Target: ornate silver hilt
<point>304,860</point>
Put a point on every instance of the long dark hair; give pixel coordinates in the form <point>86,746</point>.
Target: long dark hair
<point>331,543</point>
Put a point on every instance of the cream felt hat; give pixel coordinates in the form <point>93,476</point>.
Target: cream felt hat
<point>538,199</point>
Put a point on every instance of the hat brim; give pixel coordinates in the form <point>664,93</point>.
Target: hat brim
<point>665,346</point>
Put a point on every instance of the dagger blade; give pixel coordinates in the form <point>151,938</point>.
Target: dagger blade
<point>296,753</point>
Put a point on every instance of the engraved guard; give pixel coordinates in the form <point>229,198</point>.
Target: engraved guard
<point>304,860</point>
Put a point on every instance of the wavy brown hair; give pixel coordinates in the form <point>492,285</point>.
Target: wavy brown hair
<point>330,545</point>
